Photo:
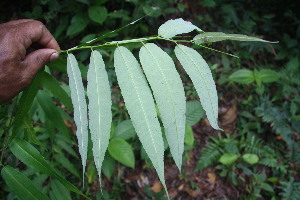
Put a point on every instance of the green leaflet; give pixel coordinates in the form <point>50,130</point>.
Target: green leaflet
<point>219,36</point>
<point>120,150</point>
<point>194,112</point>
<point>174,27</point>
<point>97,14</point>
<point>21,185</point>
<point>244,76</point>
<point>100,116</point>
<point>58,191</point>
<point>25,103</point>
<point>125,130</point>
<point>141,107</point>
<point>169,95</point>
<point>51,84</point>
<point>79,104</point>
<point>31,157</point>
<point>52,112</point>
<point>200,74</point>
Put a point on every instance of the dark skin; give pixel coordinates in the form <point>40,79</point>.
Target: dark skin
<point>25,47</point>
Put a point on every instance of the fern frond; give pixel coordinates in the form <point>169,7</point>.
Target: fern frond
<point>273,163</point>
<point>277,117</point>
<point>290,190</point>
<point>210,154</point>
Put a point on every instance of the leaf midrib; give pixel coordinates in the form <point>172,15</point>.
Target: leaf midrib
<point>16,180</point>
<point>98,101</point>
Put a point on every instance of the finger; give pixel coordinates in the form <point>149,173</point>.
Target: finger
<point>37,60</point>
<point>35,31</point>
<point>18,21</point>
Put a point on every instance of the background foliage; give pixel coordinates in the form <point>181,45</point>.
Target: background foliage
<point>257,154</point>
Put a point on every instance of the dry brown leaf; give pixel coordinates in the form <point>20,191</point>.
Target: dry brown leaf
<point>157,187</point>
<point>212,178</point>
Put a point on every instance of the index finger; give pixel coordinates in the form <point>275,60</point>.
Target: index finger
<point>35,31</point>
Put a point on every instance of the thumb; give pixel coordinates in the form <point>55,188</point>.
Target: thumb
<point>38,59</point>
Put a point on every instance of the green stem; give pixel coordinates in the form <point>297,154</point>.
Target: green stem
<point>138,40</point>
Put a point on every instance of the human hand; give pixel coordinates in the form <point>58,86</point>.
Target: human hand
<point>25,47</point>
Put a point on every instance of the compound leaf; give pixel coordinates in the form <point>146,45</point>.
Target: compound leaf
<point>219,36</point>
<point>174,27</point>
<point>100,116</point>
<point>169,95</point>
<point>200,74</point>
<point>80,109</point>
<point>140,104</point>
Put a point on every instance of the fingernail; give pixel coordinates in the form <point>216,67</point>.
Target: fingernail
<point>53,56</point>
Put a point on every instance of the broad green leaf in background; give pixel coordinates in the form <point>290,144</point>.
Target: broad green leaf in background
<point>201,76</point>
<point>219,36</point>
<point>25,103</point>
<point>194,112</point>
<point>100,115</point>
<point>78,24</point>
<point>140,104</point>
<point>250,158</point>
<point>169,95</point>
<point>51,84</point>
<point>120,150</point>
<point>189,135</point>
<point>244,76</point>
<point>175,27</point>
<point>66,146</point>
<point>125,130</point>
<point>97,14</point>
<point>30,156</point>
<point>91,172</point>
<point>51,112</point>
<point>21,185</point>
<point>108,165</point>
<point>268,76</point>
<point>58,191</point>
<point>80,108</point>
<point>228,158</point>
<point>152,11</point>
<point>59,157</point>
<point>30,132</point>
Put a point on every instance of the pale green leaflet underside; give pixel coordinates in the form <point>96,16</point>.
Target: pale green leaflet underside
<point>175,27</point>
<point>200,74</point>
<point>169,95</point>
<point>219,36</point>
<point>100,115</point>
<point>140,105</point>
<point>80,108</point>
